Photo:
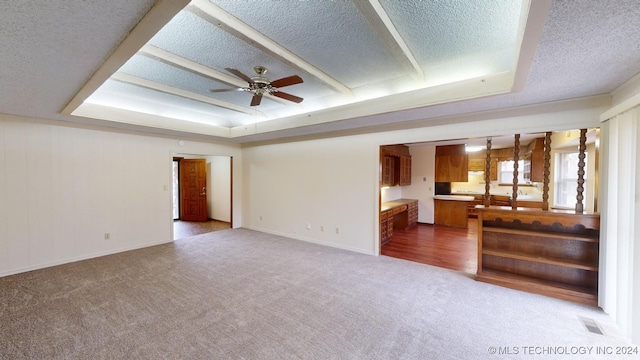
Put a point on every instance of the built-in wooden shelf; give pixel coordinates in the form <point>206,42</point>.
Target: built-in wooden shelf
<point>576,264</point>
<point>553,253</point>
<point>554,235</point>
<point>561,290</point>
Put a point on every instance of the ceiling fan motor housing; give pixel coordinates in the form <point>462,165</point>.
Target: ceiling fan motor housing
<point>260,85</point>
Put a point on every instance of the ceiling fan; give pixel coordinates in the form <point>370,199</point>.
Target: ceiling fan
<point>259,85</point>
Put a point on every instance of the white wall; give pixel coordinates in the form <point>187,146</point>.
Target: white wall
<point>422,181</point>
<point>334,182</point>
<point>329,183</point>
<point>219,187</point>
<point>62,188</point>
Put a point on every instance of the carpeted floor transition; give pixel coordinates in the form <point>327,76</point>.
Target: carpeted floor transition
<point>241,294</point>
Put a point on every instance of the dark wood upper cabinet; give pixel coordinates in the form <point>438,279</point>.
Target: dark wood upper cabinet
<point>388,170</point>
<point>534,161</point>
<point>395,162</point>
<point>452,164</point>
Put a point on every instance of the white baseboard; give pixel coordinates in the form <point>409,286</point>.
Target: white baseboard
<point>310,240</point>
<point>78,258</point>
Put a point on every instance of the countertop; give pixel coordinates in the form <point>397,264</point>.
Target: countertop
<point>521,197</point>
<point>395,203</point>
<point>454,197</point>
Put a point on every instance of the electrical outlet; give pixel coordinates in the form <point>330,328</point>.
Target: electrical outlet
<point>337,230</point>
<point>107,236</point>
<point>260,217</point>
<point>321,227</point>
<point>308,226</point>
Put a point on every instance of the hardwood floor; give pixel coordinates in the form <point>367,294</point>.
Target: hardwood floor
<point>182,229</point>
<point>437,245</point>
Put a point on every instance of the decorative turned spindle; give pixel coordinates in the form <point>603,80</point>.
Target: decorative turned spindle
<point>547,172</point>
<point>487,175</point>
<point>516,158</point>
<point>581,154</point>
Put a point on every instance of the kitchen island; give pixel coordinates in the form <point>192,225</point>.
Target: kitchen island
<point>451,210</point>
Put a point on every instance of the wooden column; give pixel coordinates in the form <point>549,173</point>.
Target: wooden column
<point>581,155</point>
<point>547,165</point>
<point>516,158</point>
<point>487,175</point>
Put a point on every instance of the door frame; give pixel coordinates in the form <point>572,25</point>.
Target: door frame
<point>179,155</point>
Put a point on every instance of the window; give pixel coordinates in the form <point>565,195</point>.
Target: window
<point>506,172</point>
<point>566,179</point>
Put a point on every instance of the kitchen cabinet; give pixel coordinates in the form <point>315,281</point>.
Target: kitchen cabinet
<point>405,170</point>
<point>553,253</point>
<point>388,170</point>
<point>395,163</point>
<point>452,164</point>
<point>451,210</point>
<point>477,164</point>
<point>534,161</point>
<point>401,214</point>
<point>500,200</point>
<point>477,200</point>
<point>386,226</point>
<point>493,166</point>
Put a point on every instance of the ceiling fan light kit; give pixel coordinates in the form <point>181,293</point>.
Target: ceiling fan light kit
<point>260,85</point>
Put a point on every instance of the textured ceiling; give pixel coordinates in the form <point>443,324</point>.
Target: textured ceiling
<point>408,56</point>
<point>346,52</point>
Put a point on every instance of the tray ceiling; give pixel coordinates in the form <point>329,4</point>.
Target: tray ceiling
<point>349,54</point>
<point>367,65</point>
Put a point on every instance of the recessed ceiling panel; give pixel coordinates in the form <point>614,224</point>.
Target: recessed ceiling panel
<point>454,36</point>
<point>346,52</point>
<point>197,39</point>
<point>332,35</point>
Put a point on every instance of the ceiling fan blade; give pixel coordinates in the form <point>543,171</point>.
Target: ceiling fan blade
<point>255,101</point>
<point>237,73</point>
<point>287,96</point>
<point>291,80</point>
<point>224,90</point>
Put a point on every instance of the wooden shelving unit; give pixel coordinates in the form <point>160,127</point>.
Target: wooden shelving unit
<point>553,253</point>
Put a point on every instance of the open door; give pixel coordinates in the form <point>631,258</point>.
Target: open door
<point>193,190</point>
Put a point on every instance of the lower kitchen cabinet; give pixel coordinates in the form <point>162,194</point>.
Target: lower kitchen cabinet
<point>397,214</point>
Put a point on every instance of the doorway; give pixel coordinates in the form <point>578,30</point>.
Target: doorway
<point>213,189</point>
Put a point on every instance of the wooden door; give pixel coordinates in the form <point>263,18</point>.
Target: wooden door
<point>193,190</point>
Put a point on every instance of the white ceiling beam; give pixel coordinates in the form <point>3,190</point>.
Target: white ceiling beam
<point>532,20</point>
<point>134,80</point>
<point>234,26</point>
<point>130,117</point>
<point>378,18</point>
<point>156,18</point>
<point>190,65</point>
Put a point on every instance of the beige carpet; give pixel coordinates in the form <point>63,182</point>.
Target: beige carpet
<point>183,229</point>
<point>240,294</point>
